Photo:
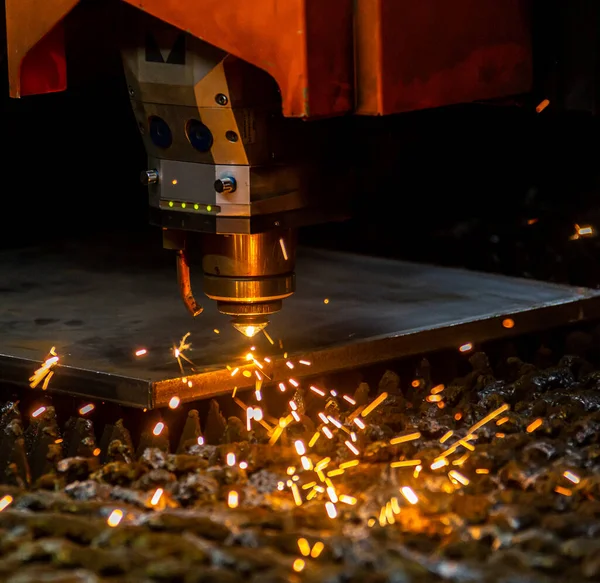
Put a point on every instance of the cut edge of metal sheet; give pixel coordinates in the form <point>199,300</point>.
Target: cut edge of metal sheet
<point>386,348</point>
<point>218,381</point>
<point>80,382</point>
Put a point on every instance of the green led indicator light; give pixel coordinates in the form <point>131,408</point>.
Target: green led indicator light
<point>183,205</point>
<point>209,208</point>
<point>171,203</point>
<point>196,207</point>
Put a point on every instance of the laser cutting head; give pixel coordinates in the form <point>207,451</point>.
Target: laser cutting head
<point>248,276</point>
<point>224,162</point>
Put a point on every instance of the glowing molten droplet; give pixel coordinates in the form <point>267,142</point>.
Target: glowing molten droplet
<point>542,105</point>
<point>572,477</point>
<point>304,547</point>
<point>330,509</point>
<point>38,412</point>
<point>250,330</point>
<point>174,402</point>
<point>86,409</point>
<point>5,502</point>
<point>317,549</point>
<point>409,494</point>
<point>299,445</point>
<point>584,230</point>
<point>115,517</point>
<point>158,428</point>
<point>157,496</point>
<point>233,499</point>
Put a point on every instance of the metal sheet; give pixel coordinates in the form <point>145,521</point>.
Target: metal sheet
<point>99,302</point>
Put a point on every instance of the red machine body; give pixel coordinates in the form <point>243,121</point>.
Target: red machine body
<point>371,57</point>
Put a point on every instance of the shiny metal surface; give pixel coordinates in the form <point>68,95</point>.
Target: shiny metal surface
<point>249,275</point>
<point>98,308</point>
<point>148,177</point>
<point>225,185</point>
<point>183,181</point>
<point>249,290</point>
<point>261,255</point>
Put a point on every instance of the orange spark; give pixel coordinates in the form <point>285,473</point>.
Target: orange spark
<point>534,425</point>
<point>371,406</point>
<point>563,491</point>
<point>232,499</point>
<point>542,105</point>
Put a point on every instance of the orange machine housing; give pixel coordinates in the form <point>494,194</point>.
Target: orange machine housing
<point>333,57</point>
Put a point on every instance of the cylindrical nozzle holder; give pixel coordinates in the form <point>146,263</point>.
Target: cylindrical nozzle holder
<point>258,255</point>
<point>249,275</point>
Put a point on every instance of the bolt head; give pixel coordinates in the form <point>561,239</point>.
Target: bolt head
<point>221,99</point>
<point>148,177</point>
<point>225,185</point>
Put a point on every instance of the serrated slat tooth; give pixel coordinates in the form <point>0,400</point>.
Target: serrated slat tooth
<point>148,439</point>
<point>34,428</point>
<point>116,443</point>
<point>8,412</point>
<point>43,432</point>
<point>14,467</point>
<point>215,424</point>
<point>80,440</point>
<point>191,431</point>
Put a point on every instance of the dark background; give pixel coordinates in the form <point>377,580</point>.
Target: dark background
<point>466,180</point>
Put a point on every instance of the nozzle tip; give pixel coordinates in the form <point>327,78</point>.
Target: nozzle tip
<point>250,329</point>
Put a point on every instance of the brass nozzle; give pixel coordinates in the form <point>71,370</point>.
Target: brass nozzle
<point>249,275</point>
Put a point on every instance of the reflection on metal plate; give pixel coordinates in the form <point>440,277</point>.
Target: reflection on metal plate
<point>99,303</point>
